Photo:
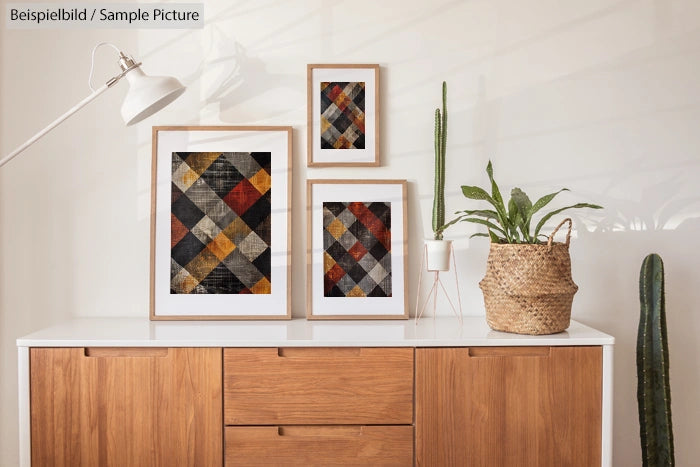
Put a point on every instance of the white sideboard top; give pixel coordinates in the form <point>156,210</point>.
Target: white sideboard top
<point>429,332</point>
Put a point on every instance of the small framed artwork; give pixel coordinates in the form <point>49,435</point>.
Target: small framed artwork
<point>356,263</point>
<point>220,222</point>
<point>343,115</point>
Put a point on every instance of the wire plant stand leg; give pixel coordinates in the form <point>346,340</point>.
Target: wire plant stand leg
<point>436,287</point>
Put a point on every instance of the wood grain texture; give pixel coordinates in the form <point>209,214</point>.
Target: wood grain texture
<point>270,386</point>
<point>495,409</point>
<point>319,446</point>
<point>126,409</point>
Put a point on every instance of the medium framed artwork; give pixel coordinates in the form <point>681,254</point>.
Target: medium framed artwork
<point>343,115</point>
<point>220,222</point>
<point>356,255</point>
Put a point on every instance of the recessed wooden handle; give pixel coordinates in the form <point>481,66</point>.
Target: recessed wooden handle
<point>316,352</point>
<point>126,351</point>
<point>481,352</point>
<point>320,431</point>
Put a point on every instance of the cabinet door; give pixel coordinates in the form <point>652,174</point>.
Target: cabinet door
<point>126,406</point>
<point>514,406</point>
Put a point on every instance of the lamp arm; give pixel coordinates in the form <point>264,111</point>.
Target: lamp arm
<point>58,121</point>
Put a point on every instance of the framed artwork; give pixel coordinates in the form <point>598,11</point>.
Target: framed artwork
<point>343,115</point>
<point>220,222</point>
<point>356,255</point>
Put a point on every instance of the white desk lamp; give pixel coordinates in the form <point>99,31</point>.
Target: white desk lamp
<point>146,96</point>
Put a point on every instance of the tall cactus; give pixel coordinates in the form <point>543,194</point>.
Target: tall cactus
<point>440,145</point>
<point>653,389</point>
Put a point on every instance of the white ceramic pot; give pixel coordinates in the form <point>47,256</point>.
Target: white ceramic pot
<point>438,254</point>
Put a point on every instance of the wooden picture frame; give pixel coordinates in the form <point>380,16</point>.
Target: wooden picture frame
<point>356,249</point>
<point>221,222</point>
<point>343,115</point>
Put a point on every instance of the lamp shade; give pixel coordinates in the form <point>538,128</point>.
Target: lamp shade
<point>148,94</point>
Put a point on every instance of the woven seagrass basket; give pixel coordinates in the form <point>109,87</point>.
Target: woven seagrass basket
<point>528,288</point>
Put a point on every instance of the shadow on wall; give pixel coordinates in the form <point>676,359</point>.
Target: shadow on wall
<point>664,219</point>
<point>230,77</point>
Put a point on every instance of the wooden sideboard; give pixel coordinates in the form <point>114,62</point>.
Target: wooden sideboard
<point>132,392</point>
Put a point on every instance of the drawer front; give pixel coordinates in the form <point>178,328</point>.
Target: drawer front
<point>316,386</point>
<point>319,446</point>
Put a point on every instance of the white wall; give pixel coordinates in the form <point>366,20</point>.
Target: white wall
<point>600,96</point>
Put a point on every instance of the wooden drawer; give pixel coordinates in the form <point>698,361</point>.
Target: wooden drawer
<point>320,446</point>
<point>316,386</point>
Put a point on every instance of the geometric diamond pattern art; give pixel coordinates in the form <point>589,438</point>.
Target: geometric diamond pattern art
<point>356,249</point>
<point>220,216</point>
<point>342,115</point>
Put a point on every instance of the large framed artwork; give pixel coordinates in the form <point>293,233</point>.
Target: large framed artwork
<point>356,255</point>
<point>220,222</point>
<point>343,115</point>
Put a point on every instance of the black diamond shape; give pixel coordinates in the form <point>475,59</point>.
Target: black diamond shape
<point>359,143</point>
<point>264,264</point>
<point>359,98</point>
<point>346,262</point>
<point>341,123</point>
<point>335,250</point>
<point>178,158</point>
<point>264,230</point>
<point>222,176</point>
<point>222,281</point>
<point>361,233</point>
<point>186,211</point>
<point>379,292</point>
<point>264,160</point>
<point>334,292</point>
<point>382,211</point>
<point>356,273</point>
<point>175,193</point>
<point>258,212</point>
<point>325,101</point>
<point>186,249</point>
<point>378,251</point>
<point>334,207</point>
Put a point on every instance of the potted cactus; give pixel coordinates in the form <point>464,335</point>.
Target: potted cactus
<point>438,249</point>
<point>653,386</point>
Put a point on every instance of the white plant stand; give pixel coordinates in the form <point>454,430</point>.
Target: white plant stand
<point>437,286</point>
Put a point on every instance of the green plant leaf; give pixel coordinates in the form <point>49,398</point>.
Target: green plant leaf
<point>488,224</point>
<point>474,192</point>
<point>498,200</point>
<point>512,210</point>
<point>523,205</point>
<point>442,228</point>
<point>496,239</point>
<point>557,211</point>
<point>487,213</point>
<point>479,234</point>
<point>543,201</point>
<point>514,221</point>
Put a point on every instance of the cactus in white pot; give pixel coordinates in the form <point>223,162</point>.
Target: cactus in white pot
<point>438,249</point>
